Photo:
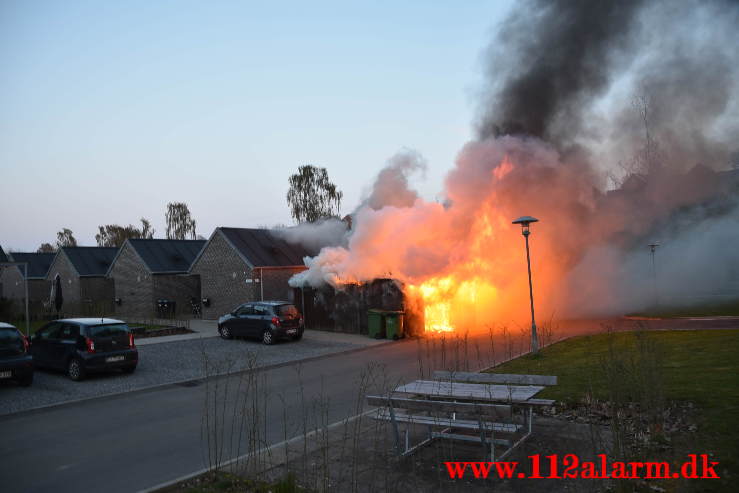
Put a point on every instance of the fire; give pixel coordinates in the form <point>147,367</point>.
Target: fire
<point>461,262</point>
<point>449,303</point>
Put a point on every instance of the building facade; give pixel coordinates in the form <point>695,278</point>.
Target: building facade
<point>82,276</point>
<point>146,273</point>
<point>238,265</point>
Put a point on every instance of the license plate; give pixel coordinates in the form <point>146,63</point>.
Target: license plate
<point>292,331</point>
<point>6,374</point>
<point>113,359</point>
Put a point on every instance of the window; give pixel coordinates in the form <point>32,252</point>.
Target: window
<point>10,338</point>
<point>245,310</point>
<point>50,331</point>
<point>287,311</point>
<point>261,310</point>
<point>109,330</point>
<point>69,332</point>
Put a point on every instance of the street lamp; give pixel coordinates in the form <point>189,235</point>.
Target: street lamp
<point>525,221</point>
<point>652,249</point>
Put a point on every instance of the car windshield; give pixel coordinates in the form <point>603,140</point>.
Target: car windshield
<point>287,311</point>
<point>9,337</point>
<point>108,330</point>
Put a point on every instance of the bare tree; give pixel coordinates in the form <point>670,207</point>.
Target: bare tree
<point>113,235</point>
<point>65,238</point>
<point>648,159</point>
<point>312,196</point>
<point>46,248</point>
<point>180,225</point>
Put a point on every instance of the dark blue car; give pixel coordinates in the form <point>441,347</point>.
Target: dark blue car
<point>15,362</point>
<point>82,345</point>
<point>265,320</point>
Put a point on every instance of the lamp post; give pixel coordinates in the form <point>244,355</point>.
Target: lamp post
<point>652,249</point>
<point>525,221</point>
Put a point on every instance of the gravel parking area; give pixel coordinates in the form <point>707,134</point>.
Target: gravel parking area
<point>164,364</point>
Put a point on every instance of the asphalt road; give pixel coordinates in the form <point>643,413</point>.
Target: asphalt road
<point>137,440</point>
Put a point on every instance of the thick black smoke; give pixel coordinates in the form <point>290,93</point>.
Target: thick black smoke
<point>644,95</point>
<point>549,59</point>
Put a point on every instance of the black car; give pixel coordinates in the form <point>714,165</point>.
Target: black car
<point>15,362</point>
<point>82,345</point>
<point>266,320</point>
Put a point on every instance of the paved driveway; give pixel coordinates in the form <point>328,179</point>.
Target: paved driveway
<point>172,362</point>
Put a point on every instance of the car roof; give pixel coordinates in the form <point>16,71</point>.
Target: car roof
<point>271,302</point>
<point>3,325</point>
<point>91,321</point>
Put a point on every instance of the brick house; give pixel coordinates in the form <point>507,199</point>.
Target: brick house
<point>3,258</point>
<point>146,271</point>
<point>82,270</point>
<point>38,287</point>
<point>239,265</point>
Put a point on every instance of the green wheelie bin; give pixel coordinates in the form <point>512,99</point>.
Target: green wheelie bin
<point>375,323</point>
<point>394,324</point>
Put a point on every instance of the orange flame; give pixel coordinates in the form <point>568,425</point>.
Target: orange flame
<point>449,304</point>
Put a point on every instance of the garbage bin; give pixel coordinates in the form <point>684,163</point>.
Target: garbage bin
<point>394,324</point>
<point>375,323</point>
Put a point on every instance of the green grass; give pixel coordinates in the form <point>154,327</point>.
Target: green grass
<point>730,308</point>
<point>148,327</point>
<point>35,325</point>
<point>697,366</point>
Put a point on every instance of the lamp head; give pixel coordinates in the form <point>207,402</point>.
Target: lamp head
<point>525,221</point>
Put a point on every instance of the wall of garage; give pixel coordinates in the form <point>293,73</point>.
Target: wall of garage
<point>180,288</point>
<point>223,278</point>
<point>132,285</point>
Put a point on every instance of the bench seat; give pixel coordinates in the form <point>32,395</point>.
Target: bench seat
<point>466,424</point>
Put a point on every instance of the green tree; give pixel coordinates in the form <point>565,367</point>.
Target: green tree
<point>180,225</point>
<point>114,235</point>
<point>312,196</point>
<point>65,238</point>
<point>46,248</point>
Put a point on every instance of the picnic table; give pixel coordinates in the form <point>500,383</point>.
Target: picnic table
<point>471,391</point>
<point>476,403</point>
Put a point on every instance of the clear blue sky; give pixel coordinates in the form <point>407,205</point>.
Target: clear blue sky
<point>109,110</point>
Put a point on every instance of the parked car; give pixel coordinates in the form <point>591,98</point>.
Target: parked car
<point>83,345</point>
<point>266,320</point>
<point>15,362</point>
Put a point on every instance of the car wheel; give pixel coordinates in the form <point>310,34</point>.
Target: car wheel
<point>76,370</point>
<point>225,332</point>
<point>298,336</point>
<point>268,337</point>
<point>129,369</point>
<point>26,381</point>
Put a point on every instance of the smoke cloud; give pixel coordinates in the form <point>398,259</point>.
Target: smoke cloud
<point>613,123</point>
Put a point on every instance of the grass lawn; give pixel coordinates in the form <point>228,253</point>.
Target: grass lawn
<point>148,327</point>
<point>730,308</point>
<point>697,366</point>
<point>35,325</point>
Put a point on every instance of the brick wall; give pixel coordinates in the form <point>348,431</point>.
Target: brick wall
<point>13,287</point>
<point>180,288</point>
<point>133,285</point>
<point>223,276</point>
<point>275,283</point>
<point>70,280</point>
<point>12,281</point>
